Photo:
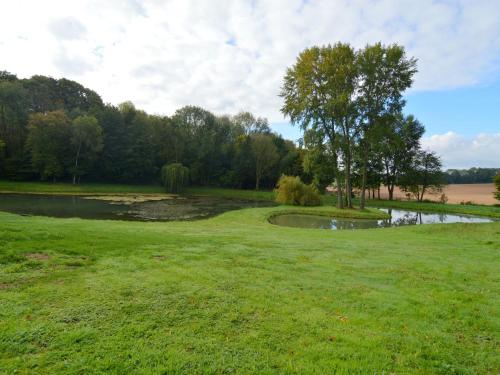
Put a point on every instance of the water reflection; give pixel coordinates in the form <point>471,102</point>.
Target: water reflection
<point>398,218</point>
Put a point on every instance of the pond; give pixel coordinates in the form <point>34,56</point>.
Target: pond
<point>398,218</point>
<point>138,208</point>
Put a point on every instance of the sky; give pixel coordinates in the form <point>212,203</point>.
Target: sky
<point>231,55</point>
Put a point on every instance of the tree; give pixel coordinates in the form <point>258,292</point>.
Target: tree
<point>397,142</point>
<point>318,159</point>
<point>13,118</point>
<point>497,185</point>
<point>48,135</point>
<point>250,124</point>
<point>86,143</point>
<point>174,177</point>
<point>384,74</point>
<point>265,155</point>
<point>424,176</point>
<point>319,93</point>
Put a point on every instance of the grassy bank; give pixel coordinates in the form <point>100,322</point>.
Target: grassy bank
<point>235,294</point>
<point>68,188</point>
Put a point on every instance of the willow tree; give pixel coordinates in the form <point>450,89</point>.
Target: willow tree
<point>319,95</point>
<point>174,177</point>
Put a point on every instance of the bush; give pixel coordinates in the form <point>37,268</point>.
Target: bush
<point>291,190</point>
<point>174,177</point>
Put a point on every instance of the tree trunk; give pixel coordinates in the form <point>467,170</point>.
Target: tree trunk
<point>378,192</point>
<point>76,163</point>
<point>348,187</point>
<point>390,189</point>
<point>362,198</point>
<point>257,181</point>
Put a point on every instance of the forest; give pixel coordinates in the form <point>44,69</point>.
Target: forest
<point>56,129</point>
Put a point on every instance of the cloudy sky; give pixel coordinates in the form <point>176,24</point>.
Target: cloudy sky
<point>228,56</point>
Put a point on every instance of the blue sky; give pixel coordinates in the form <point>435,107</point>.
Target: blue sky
<point>231,55</point>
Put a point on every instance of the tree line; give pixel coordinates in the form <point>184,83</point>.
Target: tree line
<point>56,129</point>
<point>471,176</point>
<point>349,103</point>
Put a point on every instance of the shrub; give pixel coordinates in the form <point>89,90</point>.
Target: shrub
<point>291,190</point>
<point>174,177</point>
<point>443,199</point>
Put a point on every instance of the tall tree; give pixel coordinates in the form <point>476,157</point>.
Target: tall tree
<point>265,155</point>
<point>48,135</point>
<point>319,93</point>
<point>384,74</point>
<point>86,143</point>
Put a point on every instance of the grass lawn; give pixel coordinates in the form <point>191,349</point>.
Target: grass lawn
<point>235,294</point>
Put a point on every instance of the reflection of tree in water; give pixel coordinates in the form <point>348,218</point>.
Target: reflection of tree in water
<point>407,218</point>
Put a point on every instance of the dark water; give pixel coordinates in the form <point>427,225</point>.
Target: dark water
<point>182,208</point>
<point>398,218</point>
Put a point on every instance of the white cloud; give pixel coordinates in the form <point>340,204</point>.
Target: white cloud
<point>457,151</point>
<point>227,55</point>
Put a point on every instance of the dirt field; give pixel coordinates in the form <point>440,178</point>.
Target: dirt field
<point>456,193</point>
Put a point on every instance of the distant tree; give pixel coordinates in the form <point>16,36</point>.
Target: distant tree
<point>174,177</point>
<point>424,176</point>
<point>497,185</point>
<point>86,143</point>
<point>48,135</point>
<point>251,124</point>
<point>265,155</point>
<point>471,176</point>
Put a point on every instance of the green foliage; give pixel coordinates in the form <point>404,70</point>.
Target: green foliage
<point>48,135</point>
<point>291,190</point>
<point>264,154</point>
<point>86,142</point>
<point>131,145</point>
<point>174,177</point>
<point>497,186</point>
<point>341,94</point>
<point>424,175</point>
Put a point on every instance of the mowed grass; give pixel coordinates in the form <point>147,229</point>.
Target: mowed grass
<point>235,294</point>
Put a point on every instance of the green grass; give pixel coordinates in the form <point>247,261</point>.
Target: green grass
<point>235,294</point>
<point>68,188</point>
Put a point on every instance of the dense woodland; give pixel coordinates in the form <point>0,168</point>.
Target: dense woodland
<point>59,130</point>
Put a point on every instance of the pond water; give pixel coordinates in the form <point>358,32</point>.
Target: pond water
<point>171,208</point>
<point>398,218</point>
